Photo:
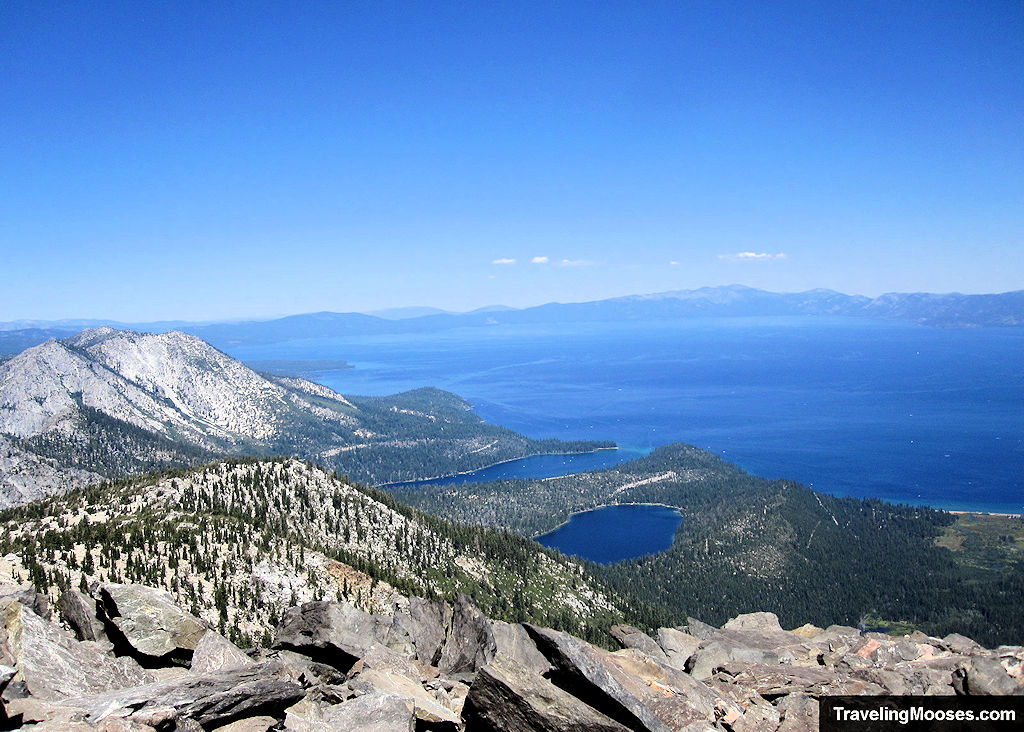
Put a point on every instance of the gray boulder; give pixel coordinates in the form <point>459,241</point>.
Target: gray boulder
<point>469,644</point>
<point>757,622</point>
<point>507,697</point>
<point>987,677</point>
<point>513,642</point>
<point>215,653</point>
<point>631,637</point>
<point>799,713</point>
<point>147,623</point>
<point>426,622</point>
<point>675,697</point>
<point>759,716</point>
<point>53,665</point>
<point>26,595</point>
<point>771,681</point>
<point>427,707</point>
<point>373,712</point>
<point>208,700</point>
<point>961,645</point>
<point>908,679</point>
<point>81,613</point>
<point>583,671</point>
<point>698,629</point>
<point>334,633</point>
<point>304,670</point>
<point>838,634</point>
<point>250,724</point>
<point>715,654</point>
<point>381,658</point>
<point>677,645</point>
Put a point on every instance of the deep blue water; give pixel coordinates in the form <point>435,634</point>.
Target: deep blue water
<point>852,407</point>
<point>613,533</point>
<point>537,466</point>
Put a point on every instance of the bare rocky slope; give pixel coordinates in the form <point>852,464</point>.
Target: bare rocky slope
<point>126,657</point>
<point>114,403</point>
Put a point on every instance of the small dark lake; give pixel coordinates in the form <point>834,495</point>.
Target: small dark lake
<point>536,466</point>
<point>613,533</point>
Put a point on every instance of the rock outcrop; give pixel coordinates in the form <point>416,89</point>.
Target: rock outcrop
<point>149,623</point>
<point>431,665</point>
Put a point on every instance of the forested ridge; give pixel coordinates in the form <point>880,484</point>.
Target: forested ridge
<point>238,542</point>
<point>747,544</point>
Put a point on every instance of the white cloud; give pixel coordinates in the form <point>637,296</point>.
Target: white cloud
<point>673,263</point>
<point>504,260</point>
<point>751,256</point>
<point>575,263</point>
<point>539,260</point>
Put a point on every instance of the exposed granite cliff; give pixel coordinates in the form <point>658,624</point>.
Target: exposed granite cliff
<point>140,663</point>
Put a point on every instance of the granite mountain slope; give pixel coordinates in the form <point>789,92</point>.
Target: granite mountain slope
<point>117,403</point>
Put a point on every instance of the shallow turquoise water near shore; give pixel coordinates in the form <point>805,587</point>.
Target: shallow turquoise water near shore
<point>852,407</point>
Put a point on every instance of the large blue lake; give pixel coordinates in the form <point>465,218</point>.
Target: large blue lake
<point>852,407</point>
<point>613,533</point>
<point>536,466</point>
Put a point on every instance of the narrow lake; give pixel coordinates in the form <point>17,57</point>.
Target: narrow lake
<point>613,533</point>
<point>536,466</point>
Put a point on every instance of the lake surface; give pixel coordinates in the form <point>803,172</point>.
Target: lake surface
<point>535,466</point>
<point>613,533</point>
<point>851,407</point>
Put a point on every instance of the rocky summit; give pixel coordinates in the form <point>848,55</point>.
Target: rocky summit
<point>127,658</point>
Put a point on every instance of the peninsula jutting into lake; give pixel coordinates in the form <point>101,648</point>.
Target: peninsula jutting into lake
<point>533,367</point>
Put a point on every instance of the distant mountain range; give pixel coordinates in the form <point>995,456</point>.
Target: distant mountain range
<point>107,403</point>
<point>947,310</point>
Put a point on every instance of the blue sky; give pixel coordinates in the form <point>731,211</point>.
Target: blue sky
<point>223,160</point>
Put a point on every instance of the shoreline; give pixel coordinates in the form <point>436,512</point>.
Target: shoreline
<point>605,505</point>
<point>984,513</point>
<point>491,465</point>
